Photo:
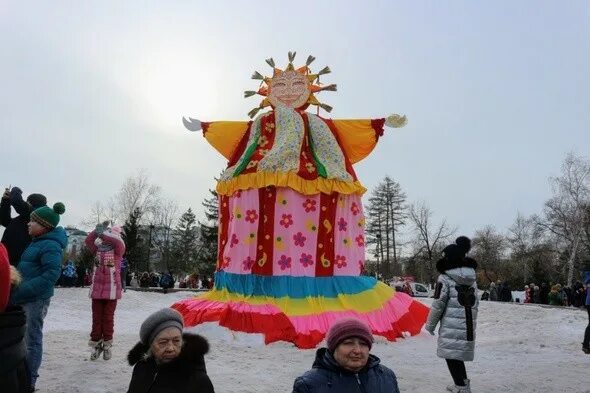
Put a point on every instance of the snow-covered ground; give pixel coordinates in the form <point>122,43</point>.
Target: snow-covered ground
<point>520,348</point>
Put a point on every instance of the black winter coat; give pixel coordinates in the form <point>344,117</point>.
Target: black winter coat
<point>13,352</point>
<point>16,235</point>
<point>185,374</point>
<point>326,376</point>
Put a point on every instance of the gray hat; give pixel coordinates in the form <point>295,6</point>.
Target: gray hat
<point>158,321</point>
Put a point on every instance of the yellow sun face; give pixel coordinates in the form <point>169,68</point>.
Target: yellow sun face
<point>293,87</point>
<point>290,88</point>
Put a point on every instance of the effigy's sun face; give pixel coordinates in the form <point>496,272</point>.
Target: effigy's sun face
<point>290,88</point>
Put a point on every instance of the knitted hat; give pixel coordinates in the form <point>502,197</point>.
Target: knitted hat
<point>454,255</point>
<point>346,328</point>
<point>158,321</point>
<point>37,200</point>
<point>115,232</point>
<point>463,243</point>
<point>48,217</point>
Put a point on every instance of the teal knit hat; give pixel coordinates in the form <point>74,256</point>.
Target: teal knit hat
<point>48,217</point>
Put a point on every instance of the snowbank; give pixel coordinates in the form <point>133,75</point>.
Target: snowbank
<point>519,349</point>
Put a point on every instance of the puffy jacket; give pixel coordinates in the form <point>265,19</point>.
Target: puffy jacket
<point>106,279</point>
<point>453,340</point>
<point>186,373</point>
<point>555,298</point>
<point>13,351</point>
<point>493,293</point>
<point>326,376</point>
<point>40,267</point>
<point>16,235</point>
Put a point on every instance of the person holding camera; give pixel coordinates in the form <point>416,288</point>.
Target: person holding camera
<point>16,235</point>
<point>106,243</point>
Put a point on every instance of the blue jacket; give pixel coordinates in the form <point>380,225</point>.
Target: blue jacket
<point>40,267</point>
<point>587,282</point>
<point>326,376</point>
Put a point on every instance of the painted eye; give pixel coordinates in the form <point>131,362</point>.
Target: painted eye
<point>280,84</point>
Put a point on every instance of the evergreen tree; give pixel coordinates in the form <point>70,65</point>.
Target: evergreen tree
<point>133,241</point>
<point>185,243</point>
<point>386,214</point>
<point>209,235</point>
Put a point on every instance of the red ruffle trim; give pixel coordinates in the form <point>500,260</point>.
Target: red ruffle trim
<point>277,327</point>
<point>378,125</point>
<point>205,126</point>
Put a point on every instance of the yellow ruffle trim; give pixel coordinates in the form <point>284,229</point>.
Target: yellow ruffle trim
<point>291,180</point>
<point>368,301</point>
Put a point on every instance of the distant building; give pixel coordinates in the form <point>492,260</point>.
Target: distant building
<point>76,239</point>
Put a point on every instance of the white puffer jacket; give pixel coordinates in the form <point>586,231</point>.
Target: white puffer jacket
<point>453,342</point>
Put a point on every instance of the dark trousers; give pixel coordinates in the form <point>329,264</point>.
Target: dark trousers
<point>103,319</point>
<point>458,372</point>
<point>586,342</point>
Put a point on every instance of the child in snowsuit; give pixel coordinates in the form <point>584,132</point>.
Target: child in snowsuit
<point>455,307</point>
<point>40,268</point>
<point>108,246</point>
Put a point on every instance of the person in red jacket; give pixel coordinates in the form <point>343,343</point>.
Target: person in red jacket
<point>108,246</point>
<point>13,350</point>
<point>5,273</point>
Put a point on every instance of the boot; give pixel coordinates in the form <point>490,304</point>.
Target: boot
<point>96,349</point>
<point>106,347</point>
<point>460,389</point>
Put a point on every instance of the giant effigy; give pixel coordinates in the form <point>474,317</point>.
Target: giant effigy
<point>291,245</point>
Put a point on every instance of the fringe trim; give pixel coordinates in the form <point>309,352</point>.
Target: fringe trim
<point>291,180</point>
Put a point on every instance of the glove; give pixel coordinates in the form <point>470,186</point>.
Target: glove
<point>16,194</point>
<point>16,191</point>
<point>99,229</point>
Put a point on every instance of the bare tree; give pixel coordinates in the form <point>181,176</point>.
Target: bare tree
<point>96,216</point>
<point>137,192</point>
<point>163,218</point>
<point>489,249</point>
<point>566,213</point>
<point>101,211</point>
<point>524,238</point>
<point>430,237</point>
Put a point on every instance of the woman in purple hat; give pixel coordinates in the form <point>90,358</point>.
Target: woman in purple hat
<point>346,364</point>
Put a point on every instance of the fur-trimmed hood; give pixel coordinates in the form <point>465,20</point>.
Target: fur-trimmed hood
<point>191,355</point>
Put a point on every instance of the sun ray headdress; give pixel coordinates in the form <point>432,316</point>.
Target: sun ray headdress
<point>291,245</point>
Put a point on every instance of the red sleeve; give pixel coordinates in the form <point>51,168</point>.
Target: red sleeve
<point>90,242</point>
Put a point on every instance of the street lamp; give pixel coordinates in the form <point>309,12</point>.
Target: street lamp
<point>378,236</point>
<point>149,247</point>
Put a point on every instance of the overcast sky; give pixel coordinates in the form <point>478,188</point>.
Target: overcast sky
<point>496,93</point>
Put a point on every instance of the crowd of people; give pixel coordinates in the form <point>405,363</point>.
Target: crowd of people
<point>169,359</point>
<point>554,295</point>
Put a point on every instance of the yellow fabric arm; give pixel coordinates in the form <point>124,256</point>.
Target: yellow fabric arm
<point>225,136</point>
<point>358,137</point>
